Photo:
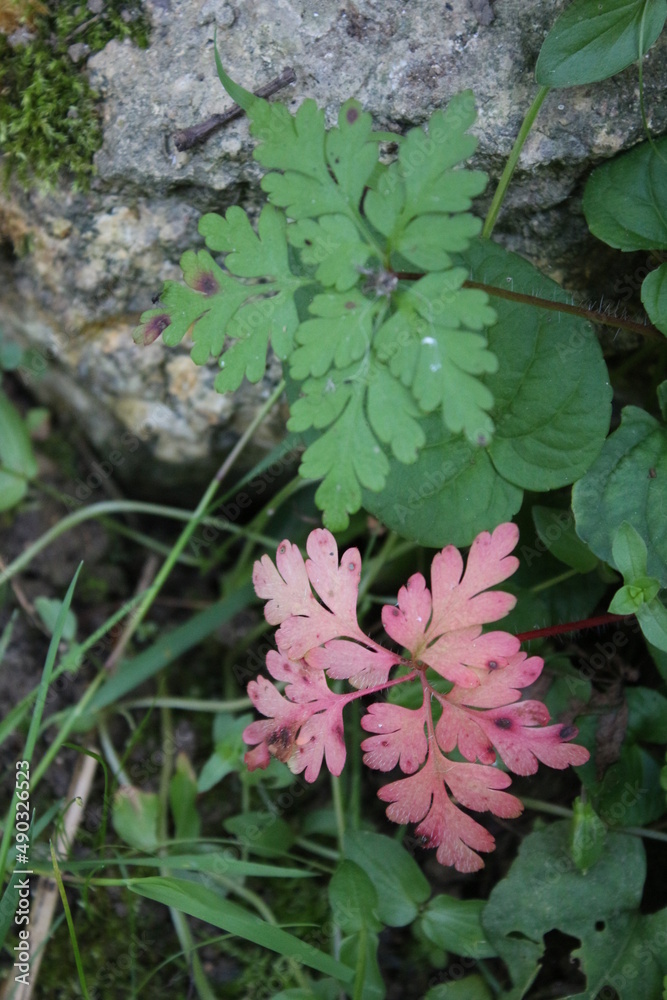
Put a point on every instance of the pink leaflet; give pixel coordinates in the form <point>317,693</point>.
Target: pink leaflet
<point>423,796</point>
<point>306,623</point>
<point>517,732</point>
<point>457,602</point>
<point>301,729</point>
<point>363,667</point>
<point>500,685</point>
<point>406,624</point>
<point>454,653</point>
<point>400,737</point>
<point>287,588</point>
<point>277,734</point>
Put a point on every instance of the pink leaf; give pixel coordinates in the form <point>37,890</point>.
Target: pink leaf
<point>300,731</point>
<point>456,604</point>
<point>423,796</point>
<point>400,738</point>
<point>455,653</point>
<point>344,660</point>
<point>319,639</point>
<point>500,684</point>
<point>407,623</point>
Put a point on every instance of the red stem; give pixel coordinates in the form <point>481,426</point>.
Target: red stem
<point>540,633</point>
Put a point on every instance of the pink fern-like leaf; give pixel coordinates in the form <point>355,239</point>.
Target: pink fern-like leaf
<point>440,630</point>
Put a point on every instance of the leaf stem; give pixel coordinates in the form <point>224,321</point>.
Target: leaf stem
<point>549,630</point>
<point>512,161</point>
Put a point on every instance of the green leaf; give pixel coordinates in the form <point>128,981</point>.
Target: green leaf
<point>210,906</point>
<point>456,925</point>
<point>340,336</point>
<point>351,151</point>
<point>556,530</point>
<point>548,431</point>
<point>654,296</point>
<point>346,457</point>
<point>229,750</point>
<point>652,617</point>
<point>360,952</point>
<point>629,552</point>
<point>331,244</point>
<point>135,815</point>
<point>249,254</point>
<point>450,494</point>
<point>399,883</point>
<point>394,416</point>
<point>545,891</point>
<point>627,482</point>
<point>17,459</point>
<point>183,800</point>
<point>647,715</point>
<point>353,899</point>
<point>625,201</point>
<point>594,39</point>
<point>48,610</point>
<point>587,836</point>
<point>262,833</point>
<point>469,988</point>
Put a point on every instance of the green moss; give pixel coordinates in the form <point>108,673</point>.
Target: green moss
<point>49,126</point>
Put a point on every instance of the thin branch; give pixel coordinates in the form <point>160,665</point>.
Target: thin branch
<point>186,138</point>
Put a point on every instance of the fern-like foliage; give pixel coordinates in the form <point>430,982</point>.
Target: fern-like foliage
<point>370,355</point>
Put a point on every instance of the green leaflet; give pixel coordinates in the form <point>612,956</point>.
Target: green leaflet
<point>594,39</point>
<point>548,430</point>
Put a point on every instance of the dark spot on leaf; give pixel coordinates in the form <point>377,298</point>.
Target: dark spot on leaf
<point>350,305</point>
<point>481,440</point>
<point>504,723</point>
<point>308,243</point>
<point>492,665</point>
<point>652,474</point>
<point>155,326</point>
<point>207,283</point>
<point>352,114</point>
<point>599,925</point>
<point>567,732</point>
<point>280,743</point>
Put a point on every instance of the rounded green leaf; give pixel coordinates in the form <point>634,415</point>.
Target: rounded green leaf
<point>594,39</point>
<point>17,459</point>
<point>587,836</point>
<point>353,899</point>
<point>399,882</point>
<point>654,296</point>
<point>456,925</point>
<point>548,429</point>
<point>450,494</point>
<point>555,529</point>
<point>625,201</point>
<point>627,482</point>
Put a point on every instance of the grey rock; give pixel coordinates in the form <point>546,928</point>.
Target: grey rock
<point>84,267</point>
